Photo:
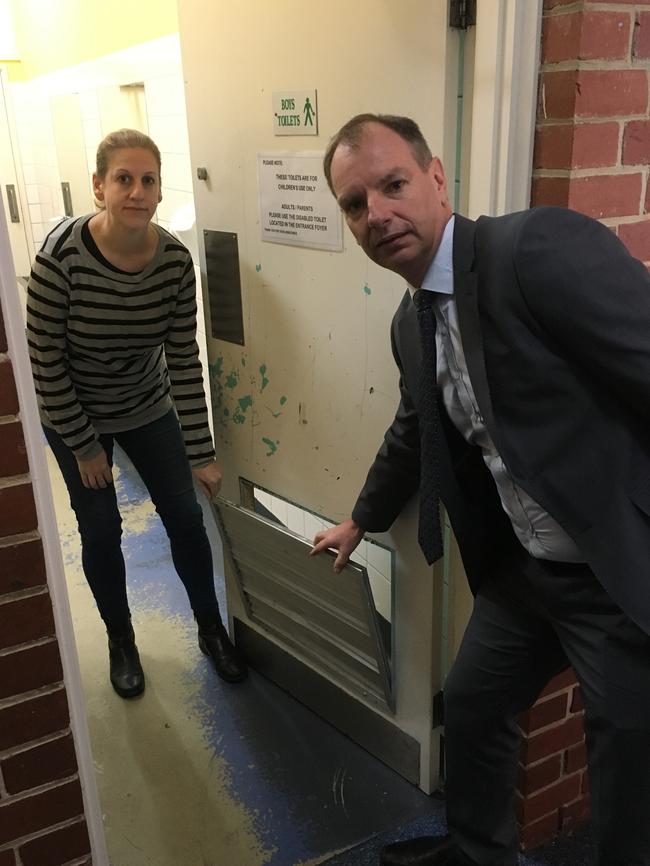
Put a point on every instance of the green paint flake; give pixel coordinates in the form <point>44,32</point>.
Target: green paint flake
<point>226,412</point>
<point>283,400</point>
<point>265,381</point>
<point>245,402</point>
<point>258,268</point>
<point>367,289</point>
<point>238,418</point>
<point>243,362</point>
<point>232,379</point>
<point>216,369</point>
<point>271,445</point>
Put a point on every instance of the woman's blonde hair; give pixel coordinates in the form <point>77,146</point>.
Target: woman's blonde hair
<point>120,139</point>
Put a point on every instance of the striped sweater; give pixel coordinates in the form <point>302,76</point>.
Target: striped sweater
<point>112,351</point>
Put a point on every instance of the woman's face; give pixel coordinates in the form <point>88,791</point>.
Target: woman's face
<point>130,190</point>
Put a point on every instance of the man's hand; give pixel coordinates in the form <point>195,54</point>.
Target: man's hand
<point>96,473</point>
<point>208,478</point>
<point>343,538</point>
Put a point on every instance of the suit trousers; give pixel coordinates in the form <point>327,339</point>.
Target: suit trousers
<point>529,621</point>
<point>158,453</point>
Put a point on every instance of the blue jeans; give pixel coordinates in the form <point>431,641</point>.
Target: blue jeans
<point>158,453</point>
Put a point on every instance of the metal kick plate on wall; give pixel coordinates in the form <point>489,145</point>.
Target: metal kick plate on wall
<point>224,286</point>
<point>328,619</point>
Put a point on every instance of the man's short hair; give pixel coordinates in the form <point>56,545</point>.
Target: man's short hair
<point>350,134</point>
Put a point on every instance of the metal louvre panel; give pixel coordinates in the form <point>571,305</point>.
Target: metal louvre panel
<point>328,619</point>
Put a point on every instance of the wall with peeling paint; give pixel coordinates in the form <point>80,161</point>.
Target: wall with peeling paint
<point>301,408</point>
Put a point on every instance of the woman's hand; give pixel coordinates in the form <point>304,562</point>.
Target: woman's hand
<point>208,478</point>
<point>96,473</point>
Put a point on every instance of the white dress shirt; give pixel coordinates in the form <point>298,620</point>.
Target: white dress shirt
<point>537,531</point>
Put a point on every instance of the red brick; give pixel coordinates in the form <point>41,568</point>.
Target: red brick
<point>31,814</point>
<point>636,143</point>
<point>554,146</point>
<point>13,453</point>
<point>605,195</point>
<point>561,681</point>
<point>57,848</point>
<point>569,733</point>
<point>550,190</point>
<point>575,813</point>
<point>646,204</point>
<point>26,619</point>
<point>575,758</point>
<point>17,509</point>
<point>605,35</point>
<point>576,704</point>
<point>551,4</point>
<point>22,566</point>
<point>8,393</point>
<point>595,145</point>
<point>641,43</point>
<point>33,719</point>
<point>618,2</point>
<point>7,858</point>
<point>540,775</point>
<point>611,92</point>
<point>557,95</point>
<point>540,831</point>
<point>30,669</point>
<point>594,93</point>
<point>48,762</point>
<point>586,36</point>
<point>543,713</point>
<point>584,145</point>
<point>561,37</point>
<point>549,800</point>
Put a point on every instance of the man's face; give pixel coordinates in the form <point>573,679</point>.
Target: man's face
<point>396,210</point>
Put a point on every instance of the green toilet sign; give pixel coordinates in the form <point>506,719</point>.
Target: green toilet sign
<point>295,112</point>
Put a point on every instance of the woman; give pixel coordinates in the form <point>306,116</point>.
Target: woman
<point>111,329</point>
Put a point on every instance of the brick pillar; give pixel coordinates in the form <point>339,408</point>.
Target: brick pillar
<point>42,819</point>
<point>592,151</point>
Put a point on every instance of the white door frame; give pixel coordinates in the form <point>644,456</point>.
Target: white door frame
<point>48,531</point>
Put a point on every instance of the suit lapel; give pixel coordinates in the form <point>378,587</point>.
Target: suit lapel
<point>465,291</point>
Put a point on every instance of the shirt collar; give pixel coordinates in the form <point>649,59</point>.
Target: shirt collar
<point>440,276</point>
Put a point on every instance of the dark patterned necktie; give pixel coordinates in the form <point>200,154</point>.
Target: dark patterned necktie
<point>429,535</point>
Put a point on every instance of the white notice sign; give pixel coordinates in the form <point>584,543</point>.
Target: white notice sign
<point>296,205</point>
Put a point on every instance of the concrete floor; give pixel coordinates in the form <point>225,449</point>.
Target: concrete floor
<point>200,773</point>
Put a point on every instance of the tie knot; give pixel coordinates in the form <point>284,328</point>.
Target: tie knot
<point>423,300</point>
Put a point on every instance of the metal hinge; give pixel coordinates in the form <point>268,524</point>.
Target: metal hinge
<point>462,14</point>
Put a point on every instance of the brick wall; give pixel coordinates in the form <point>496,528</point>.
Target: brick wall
<point>592,147</point>
<point>41,810</point>
<point>592,152</point>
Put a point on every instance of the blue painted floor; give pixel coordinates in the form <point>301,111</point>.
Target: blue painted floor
<point>298,791</point>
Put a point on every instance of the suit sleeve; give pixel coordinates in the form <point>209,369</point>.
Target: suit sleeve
<point>395,473</point>
<point>592,297</point>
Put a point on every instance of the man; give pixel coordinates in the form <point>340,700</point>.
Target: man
<point>537,328</point>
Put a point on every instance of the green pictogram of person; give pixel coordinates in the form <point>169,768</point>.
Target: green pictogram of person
<point>309,113</point>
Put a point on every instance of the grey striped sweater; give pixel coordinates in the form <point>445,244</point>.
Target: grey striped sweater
<point>112,351</point>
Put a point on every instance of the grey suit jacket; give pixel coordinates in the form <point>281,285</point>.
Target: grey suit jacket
<point>555,323</point>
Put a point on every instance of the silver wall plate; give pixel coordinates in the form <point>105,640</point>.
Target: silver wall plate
<point>328,620</point>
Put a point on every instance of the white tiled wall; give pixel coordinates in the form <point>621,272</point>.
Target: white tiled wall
<point>376,559</point>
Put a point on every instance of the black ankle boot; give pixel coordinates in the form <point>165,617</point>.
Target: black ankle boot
<point>127,676</point>
<point>226,658</point>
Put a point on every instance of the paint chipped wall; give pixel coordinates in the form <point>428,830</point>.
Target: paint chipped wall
<point>301,409</point>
